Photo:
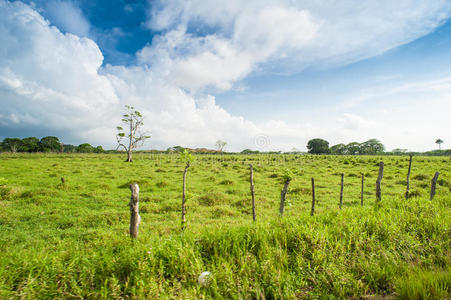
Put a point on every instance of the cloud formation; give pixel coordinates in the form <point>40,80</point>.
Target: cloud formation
<point>57,82</point>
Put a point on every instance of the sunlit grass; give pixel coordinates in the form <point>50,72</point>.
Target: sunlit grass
<point>71,240</point>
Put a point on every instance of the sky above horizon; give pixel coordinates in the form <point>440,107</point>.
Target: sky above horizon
<point>258,74</point>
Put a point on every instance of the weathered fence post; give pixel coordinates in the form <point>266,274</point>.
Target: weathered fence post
<point>408,178</point>
<point>313,197</point>
<point>433,184</point>
<point>378,181</point>
<point>251,179</point>
<point>361,193</point>
<point>283,195</point>
<point>341,190</point>
<point>135,218</point>
<point>184,197</point>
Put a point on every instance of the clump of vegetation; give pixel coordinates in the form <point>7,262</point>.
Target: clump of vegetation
<point>420,177</point>
<point>226,182</point>
<point>212,198</point>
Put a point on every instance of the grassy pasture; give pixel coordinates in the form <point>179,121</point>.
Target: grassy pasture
<point>71,240</point>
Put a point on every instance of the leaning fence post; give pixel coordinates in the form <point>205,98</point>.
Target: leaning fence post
<point>433,184</point>
<point>408,178</point>
<point>251,179</point>
<point>313,197</point>
<point>283,196</point>
<point>378,181</point>
<point>135,218</point>
<point>361,193</point>
<point>341,190</point>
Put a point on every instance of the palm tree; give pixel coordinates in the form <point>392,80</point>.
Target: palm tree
<point>439,142</point>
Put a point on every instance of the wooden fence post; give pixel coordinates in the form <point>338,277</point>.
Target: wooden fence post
<point>283,196</point>
<point>135,218</point>
<point>341,190</point>
<point>361,193</point>
<point>408,177</point>
<point>313,197</point>
<point>433,184</point>
<point>184,196</point>
<point>251,179</point>
<point>378,181</point>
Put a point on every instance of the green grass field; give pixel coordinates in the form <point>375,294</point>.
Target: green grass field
<point>71,240</point>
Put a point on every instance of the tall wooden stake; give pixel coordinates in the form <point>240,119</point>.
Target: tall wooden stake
<point>283,196</point>
<point>184,197</point>
<point>408,177</point>
<point>341,190</point>
<point>313,197</point>
<point>361,193</point>
<point>251,179</point>
<point>378,182</point>
<point>433,184</point>
<point>135,218</point>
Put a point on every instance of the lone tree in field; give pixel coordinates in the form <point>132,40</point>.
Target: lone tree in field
<point>318,146</point>
<point>439,142</point>
<point>134,137</point>
<point>220,145</point>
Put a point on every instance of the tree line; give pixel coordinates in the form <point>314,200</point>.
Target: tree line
<point>320,146</point>
<point>45,144</point>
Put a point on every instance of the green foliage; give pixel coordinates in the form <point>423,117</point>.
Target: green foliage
<point>30,144</point>
<point>85,148</point>
<point>318,146</point>
<point>288,175</point>
<point>186,156</point>
<point>12,144</point>
<point>72,241</point>
<point>50,144</point>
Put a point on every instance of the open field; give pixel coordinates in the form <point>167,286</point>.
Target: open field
<point>71,240</point>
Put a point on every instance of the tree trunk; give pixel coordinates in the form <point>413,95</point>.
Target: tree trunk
<point>251,179</point>
<point>283,196</point>
<point>313,197</point>
<point>433,184</point>
<point>378,182</point>
<point>135,218</point>
<point>183,197</point>
<point>408,178</point>
<point>129,156</point>
<point>341,190</point>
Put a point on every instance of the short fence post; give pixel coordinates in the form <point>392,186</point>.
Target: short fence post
<point>251,179</point>
<point>361,193</point>
<point>408,178</point>
<point>341,190</point>
<point>135,218</point>
<point>378,182</point>
<point>433,184</point>
<point>313,197</point>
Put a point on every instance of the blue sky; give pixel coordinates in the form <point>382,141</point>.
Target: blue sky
<point>200,71</point>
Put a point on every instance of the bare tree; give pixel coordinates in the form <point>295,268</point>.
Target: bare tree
<point>134,138</point>
<point>220,145</point>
